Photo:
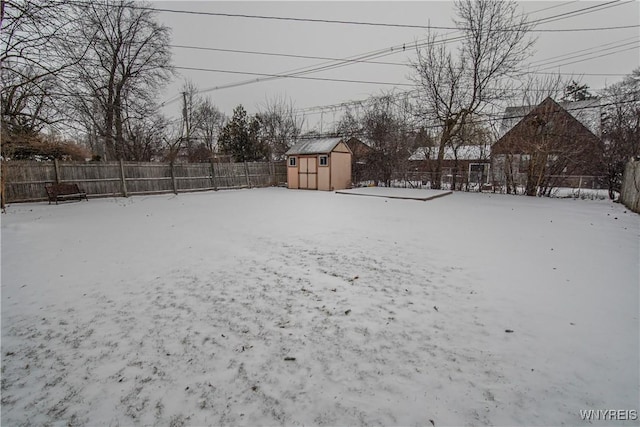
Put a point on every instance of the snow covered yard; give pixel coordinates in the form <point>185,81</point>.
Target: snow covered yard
<point>281,307</point>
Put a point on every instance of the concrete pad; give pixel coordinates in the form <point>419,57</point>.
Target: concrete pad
<point>396,193</point>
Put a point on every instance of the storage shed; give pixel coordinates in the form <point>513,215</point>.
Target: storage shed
<point>319,164</point>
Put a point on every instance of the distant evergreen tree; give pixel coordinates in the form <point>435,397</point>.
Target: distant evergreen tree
<point>240,138</point>
<point>577,92</point>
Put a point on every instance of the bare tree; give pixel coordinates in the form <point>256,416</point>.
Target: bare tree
<point>453,86</point>
<point>128,61</point>
<point>210,123</point>
<point>349,125</point>
<point>279,126</point>
<point>37,49</point>
<point>202,122</point>
<point>531,91</point>
<point>621,128</point>
<point>190,118</point>
<point>386,126</point>
<point>535,88</point>
<point>546,146</point>
<point>144,136</point>
<point>473,139</point>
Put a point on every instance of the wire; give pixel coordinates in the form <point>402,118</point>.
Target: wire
<point>588,59</point>
<point>333,106</point>
<point>325,66</point>
<point>349,61</point>
<point>493,118</point>
<point>561,58</point>
<point>290,76</point>
<point>579,12</point>
<point>553,7</point>
<point>381,24</point>
<point>361,59</point>
<point>285,55</point>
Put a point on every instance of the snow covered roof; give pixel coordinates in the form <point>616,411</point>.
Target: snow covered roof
<point>586,112</point>
<point>464,152</point>
<point>314,146</point>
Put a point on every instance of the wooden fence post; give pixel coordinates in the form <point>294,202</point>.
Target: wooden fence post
<point>173,178</point>
<point>246,173</point>
<point>3,172</point>
<point>213,175</point>
<point>56,168</point>
<point>272,173</point>
<point>123,179</point>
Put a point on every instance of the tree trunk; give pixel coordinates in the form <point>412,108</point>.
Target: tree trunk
<point>119,138</point>
<point>436,183</point>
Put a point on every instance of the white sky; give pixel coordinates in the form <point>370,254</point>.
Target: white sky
<point>618,50</point>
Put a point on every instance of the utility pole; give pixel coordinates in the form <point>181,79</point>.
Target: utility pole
<point>187,126</point>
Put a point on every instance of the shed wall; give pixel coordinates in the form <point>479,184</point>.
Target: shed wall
<point>324,177</point>
<point>340,170</point>
<point>341,148</point>
<point>292,176</point>
<point>308,174</point>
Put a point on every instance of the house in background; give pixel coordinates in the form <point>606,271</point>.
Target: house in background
<point>360,160</point>
<point>549,145</point>
<point>461,165</point>
<point>319,164</point>
<point>587,112</point>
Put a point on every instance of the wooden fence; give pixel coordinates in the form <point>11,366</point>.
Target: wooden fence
<point>630,193</point>
<point>24,181</point>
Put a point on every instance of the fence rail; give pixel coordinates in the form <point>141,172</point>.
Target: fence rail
<point>24,181</point>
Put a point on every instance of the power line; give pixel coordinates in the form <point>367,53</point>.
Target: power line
<point>323,66</point>
<point>564,55</point>
<point>499,117</point>
<point>290,76</point>
<point>553,7</point>
<point>380,24</point>
<point>579,12</point>
<point>579,74</point>
<point>321,108</point>
<point>362,59</point>
<point>348,61</point>
<point>284,55</point>
<point>383,51</point>
<point>588,59</point>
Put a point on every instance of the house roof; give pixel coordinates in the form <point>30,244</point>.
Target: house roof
<point>587,112</point>
<point>464,152</point>
<point>359,147</point>
<point>553,120</point>
<point>314,146</point>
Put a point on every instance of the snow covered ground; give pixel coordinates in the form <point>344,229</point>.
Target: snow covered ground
<point>397,193</point>
<point>282,307</point>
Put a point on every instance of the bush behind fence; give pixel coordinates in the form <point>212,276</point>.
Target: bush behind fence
<point>24,181</point>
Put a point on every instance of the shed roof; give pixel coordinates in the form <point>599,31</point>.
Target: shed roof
<point>314,146</point>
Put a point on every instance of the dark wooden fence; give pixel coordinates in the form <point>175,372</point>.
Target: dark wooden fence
<point>630,193</point>
<point>24,181</point>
